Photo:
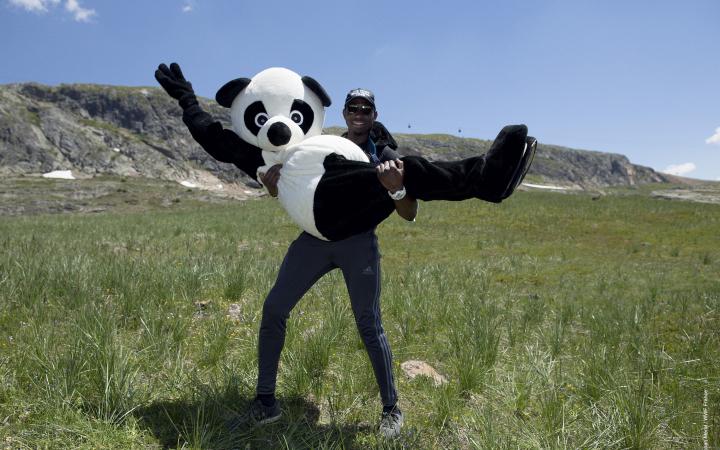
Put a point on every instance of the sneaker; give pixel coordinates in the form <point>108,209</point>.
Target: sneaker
<point>390,423</point>
<point>256,414</point>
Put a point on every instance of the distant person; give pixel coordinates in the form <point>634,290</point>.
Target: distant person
<point>309,258</point>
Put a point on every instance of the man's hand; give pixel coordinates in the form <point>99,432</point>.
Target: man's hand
<point>270,179</point>
<point>173,81</point>
<point>391,175</point>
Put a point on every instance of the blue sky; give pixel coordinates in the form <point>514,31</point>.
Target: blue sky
<point>640,78</point>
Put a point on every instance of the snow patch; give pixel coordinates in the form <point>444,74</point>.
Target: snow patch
<point>203,185</point>
<point>116,150</point>
<point>545,186</point>
<point>59,174</point>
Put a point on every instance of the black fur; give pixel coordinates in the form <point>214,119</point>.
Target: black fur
<point>226,94</point>
<point>486,177</point>
<point>349,198</point>
<point>251,113</point>
<point>318,90</point>
<point>220,143</point>
<point>308,116</point>
<point>382,137</point>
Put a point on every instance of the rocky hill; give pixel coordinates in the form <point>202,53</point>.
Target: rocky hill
<point>93,129</point>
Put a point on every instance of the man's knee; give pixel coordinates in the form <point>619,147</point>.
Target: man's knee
<point>369,330</point>
<point>275,309</point>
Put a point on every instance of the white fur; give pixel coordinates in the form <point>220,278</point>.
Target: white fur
<point>301,173</point>
<point>277,88</point>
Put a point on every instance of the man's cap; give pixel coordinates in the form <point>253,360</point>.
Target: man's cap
<point>360,93</point>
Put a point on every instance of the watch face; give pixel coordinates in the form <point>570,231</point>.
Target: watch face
<point>398,195</point>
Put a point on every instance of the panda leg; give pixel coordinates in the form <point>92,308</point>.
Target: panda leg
<point>491,177</point>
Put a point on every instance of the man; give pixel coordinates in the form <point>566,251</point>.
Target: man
<point>309,258</point>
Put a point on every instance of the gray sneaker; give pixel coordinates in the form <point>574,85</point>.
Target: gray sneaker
<point>256,414</point>
<point>390,423</point>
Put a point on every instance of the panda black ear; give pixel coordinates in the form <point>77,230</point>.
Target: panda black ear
<point>230,90</point>
<point>317,89</point>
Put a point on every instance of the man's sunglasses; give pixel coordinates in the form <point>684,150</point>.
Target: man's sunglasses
<point>360,109</point>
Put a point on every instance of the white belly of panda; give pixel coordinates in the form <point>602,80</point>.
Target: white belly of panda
<point>301,172</point>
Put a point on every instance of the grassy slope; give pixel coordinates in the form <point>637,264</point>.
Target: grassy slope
<point>561,321</point>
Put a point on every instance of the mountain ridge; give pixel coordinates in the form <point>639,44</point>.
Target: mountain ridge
<point>96,129</point>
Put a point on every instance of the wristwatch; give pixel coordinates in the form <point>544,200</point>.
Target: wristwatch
<point>398,195</point>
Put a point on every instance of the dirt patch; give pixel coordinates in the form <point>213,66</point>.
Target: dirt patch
<point>30,195</point>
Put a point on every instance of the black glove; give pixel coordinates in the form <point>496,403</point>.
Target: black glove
<point>382,137</point>
<point>175,84</point>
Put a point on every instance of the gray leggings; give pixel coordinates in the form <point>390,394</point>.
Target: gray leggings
<point>308,259</point>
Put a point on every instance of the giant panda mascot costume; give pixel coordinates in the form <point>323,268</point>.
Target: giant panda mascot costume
<point>327,184</point>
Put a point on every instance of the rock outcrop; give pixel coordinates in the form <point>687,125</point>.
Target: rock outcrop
<point>94,130</point>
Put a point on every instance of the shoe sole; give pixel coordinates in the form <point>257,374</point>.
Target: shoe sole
<point>523,166</point>
<point>237,424</point>
<point>269,420</point>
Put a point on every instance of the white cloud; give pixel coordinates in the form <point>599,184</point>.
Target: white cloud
<point>715,138</point>
<point>188,6</point>
<point>81,14</point>
<point>34,5</point>
<point>680,169</point>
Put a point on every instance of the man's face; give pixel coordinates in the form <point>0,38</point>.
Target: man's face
<point>359,116</point>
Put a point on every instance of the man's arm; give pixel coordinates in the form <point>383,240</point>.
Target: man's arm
<point>391,175</point>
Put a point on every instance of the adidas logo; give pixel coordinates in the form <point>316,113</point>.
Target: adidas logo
<point>368,271</point>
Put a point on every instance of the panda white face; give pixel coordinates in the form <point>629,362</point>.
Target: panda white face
<point>276,110</point>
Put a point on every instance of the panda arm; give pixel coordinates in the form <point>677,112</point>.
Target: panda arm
<point>382,137</point>
<point>220,143</point>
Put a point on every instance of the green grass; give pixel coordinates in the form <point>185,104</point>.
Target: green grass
<point>560,322</point>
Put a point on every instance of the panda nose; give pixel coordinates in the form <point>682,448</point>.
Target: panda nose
<point>279,134</point>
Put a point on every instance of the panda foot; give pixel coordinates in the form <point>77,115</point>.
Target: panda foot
<point>502,164</point>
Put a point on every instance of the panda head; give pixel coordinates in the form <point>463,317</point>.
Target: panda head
<point>275,109</point>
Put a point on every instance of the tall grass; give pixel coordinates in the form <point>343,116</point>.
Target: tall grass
<point>559,322</point>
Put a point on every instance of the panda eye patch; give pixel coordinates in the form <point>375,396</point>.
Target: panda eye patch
<point>255,117</point>
<point>302,114</point>
<point>296,117</point>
